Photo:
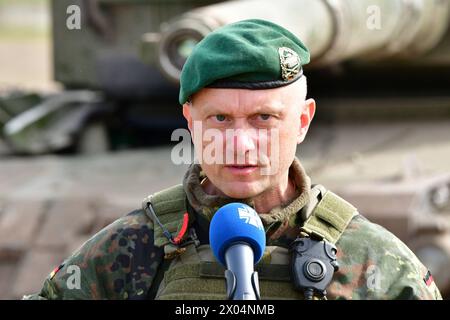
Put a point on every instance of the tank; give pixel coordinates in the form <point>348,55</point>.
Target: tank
<point>380,74</point>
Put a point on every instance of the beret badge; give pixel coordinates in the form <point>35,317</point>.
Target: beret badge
<point>290,63</point>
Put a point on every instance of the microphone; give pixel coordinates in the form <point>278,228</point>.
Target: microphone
<point>238,240</point>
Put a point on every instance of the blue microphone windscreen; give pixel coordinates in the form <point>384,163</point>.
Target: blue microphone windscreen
<point>236,222</point>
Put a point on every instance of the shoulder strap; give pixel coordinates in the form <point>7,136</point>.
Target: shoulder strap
<point>169,206</point>
<point>330,217</point>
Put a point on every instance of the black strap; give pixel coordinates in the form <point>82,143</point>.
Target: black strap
<point>255,85</point>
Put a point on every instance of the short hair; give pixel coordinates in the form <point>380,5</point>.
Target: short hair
<point>303,83</point>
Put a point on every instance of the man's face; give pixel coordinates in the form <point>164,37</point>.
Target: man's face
<point>246,139</point>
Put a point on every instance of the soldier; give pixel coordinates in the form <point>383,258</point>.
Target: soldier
<point>248,76</point>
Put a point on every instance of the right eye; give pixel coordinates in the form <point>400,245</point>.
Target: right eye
<point>220,118</point>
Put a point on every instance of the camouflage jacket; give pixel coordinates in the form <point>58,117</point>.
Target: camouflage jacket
<point>121,261</point>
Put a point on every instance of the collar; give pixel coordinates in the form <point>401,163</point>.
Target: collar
<point>276,221</point>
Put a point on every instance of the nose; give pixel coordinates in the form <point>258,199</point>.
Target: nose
<point>244,141</point>
<point>241,143</point>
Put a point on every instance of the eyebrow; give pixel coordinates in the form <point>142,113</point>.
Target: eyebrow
<point>267,108</point>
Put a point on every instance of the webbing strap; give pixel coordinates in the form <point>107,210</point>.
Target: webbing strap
<point>206,269</point>
<point>170,207</point>
<point>330,218</point>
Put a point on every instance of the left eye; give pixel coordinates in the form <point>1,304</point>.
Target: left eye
<point>264,117</point>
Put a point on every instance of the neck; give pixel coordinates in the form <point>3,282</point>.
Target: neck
<point>281,195</point>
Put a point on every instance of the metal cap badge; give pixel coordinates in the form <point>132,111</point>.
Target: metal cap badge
<point>290,63</point>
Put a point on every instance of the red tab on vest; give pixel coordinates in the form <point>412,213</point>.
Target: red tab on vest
<point>182,232</point>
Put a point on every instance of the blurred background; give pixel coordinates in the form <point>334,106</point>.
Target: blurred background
<point>88,103</point>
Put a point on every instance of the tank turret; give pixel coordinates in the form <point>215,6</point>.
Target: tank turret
<point>334,31</point>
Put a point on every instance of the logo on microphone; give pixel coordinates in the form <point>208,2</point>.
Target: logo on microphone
<point>250,217</point>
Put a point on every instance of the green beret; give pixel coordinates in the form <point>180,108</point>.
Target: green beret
<point>249,54</point>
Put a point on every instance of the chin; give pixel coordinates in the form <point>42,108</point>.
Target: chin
<point>242,190</point>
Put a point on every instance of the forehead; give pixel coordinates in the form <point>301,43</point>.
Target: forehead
<point>242,101</point>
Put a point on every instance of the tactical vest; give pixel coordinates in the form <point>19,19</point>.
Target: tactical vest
<point>193,272</point>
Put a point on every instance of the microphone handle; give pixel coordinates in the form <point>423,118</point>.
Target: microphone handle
<point>242,280</point>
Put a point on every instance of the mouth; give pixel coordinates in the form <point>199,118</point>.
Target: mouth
<point>242,169</point>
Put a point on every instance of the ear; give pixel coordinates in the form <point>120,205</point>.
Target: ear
<point>187,115</point>
<point>306,117</point>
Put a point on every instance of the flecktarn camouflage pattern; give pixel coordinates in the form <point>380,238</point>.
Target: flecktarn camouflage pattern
<point>119,262</point>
